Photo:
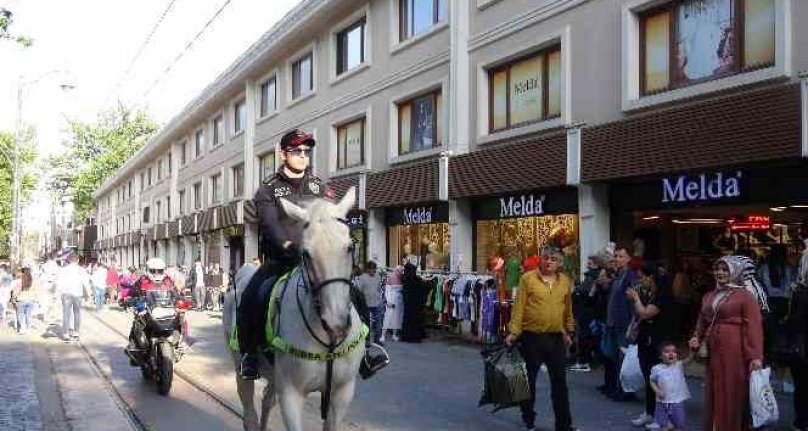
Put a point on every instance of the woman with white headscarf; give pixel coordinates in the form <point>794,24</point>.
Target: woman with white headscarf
<point>730,324</point>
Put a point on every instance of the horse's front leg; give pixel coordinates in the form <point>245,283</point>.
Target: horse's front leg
<point>246,392</point>
<point>292,401</point>
<point>341,398</point>
<point>267,403</point>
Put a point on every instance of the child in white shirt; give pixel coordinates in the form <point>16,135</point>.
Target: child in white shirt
<point>669,384</point>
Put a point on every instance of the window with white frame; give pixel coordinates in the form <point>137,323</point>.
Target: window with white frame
<point>351,144</point>
<point>685,42</point>
<point>142,181</point>
<point>158,211</point>
<point>239,116</point>
<point>199,143</point>
<point>183,153</point>
<point>168,207</point>
<point>216,188</point>
<point>170,162</point>
<point>145,214</point>
<point>218,131</point>
<point>266,166</point>
<point>302,76</point>
<point>269,97</point>
<point>238,180</point>
<point>181,198</point>
<point>351,46</point>
<point>198,196</point>
<point>525,91</point>
<point>149,175</point>
<point>418,16</point>
<point>419,123</point>
<point>159,169</point>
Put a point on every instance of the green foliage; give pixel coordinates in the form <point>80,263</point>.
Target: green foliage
<point>96,151</point>
<point>5,22</point>
<point>28,181</point>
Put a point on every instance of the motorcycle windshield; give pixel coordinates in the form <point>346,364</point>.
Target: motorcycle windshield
<point>161,298</point>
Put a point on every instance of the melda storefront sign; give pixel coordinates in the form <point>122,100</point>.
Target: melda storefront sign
<point>704,187</point>
<point>419,214</point>
<point>529,204</point>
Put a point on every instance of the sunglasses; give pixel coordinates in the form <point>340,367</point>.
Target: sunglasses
<point>156,271</point>
<point>299,152</point>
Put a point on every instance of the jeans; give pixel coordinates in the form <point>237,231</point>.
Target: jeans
<point>610,346</point>
<point>199,295</point>
<point>71,314</point>
<point>25,311</point>
<point>99,295</point>
<point>376,320</point>
<point>548,349</point>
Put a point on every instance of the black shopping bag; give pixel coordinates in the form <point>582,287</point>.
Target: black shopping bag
<point>505,381</point>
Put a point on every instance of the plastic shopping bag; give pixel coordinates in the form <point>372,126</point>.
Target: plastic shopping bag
<point>761,398</point>
<point>505,381</point>
<point>631,378</point>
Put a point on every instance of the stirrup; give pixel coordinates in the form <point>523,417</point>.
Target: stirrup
<point>375,358</point>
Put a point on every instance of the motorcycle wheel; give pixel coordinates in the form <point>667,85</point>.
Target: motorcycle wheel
<point>165,371</point>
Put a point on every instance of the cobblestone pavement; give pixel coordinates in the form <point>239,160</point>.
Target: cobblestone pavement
<point>19,404</point>
<point>434,385</point>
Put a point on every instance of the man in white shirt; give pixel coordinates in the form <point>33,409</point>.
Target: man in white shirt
<point>199,285</point>
<point>98,279</point>
<point>370,284</point>
<point>72,283</point>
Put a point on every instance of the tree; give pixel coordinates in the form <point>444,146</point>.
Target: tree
<point>5,22</point>
<point>28,181</point>
<point>96,151</point>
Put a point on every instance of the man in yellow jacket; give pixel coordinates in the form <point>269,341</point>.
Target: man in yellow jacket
<point>542,321</point>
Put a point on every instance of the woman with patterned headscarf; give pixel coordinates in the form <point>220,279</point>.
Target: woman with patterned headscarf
<point>730,324</point>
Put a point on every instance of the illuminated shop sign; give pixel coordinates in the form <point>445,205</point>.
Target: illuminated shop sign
<point>421,214</point>
<point>749,223</point>
<point>521,206</point>
<point>705,187</point>
<point>563,200</point>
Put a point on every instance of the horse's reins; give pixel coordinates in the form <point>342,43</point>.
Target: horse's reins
<point>307,276</point>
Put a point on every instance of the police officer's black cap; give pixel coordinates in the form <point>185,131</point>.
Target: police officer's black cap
<point>296,138</point>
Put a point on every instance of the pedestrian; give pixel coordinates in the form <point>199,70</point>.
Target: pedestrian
<point>25,295</point>
<point>98,276</point>
<point>584,310</point>
<point>214,286</point>
<point>5,292</point>
<point>797,326</point>
<point>370,284</point>
<point>730,325</point>
<point>198,284</point>
<point>72,284</point>
<point>668,382</point>
<point>394,304</point>
<point>113,279</point>
<point>651,304</point>
<point>542,321</point>
<point>618,317</point>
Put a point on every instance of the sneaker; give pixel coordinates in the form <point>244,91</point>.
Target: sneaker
<point>249,366</point>
<point>543,368</point>
<point>580,368</point>
<point>653,426</point>
<point>642,420</point>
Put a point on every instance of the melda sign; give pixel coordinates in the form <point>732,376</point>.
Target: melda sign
<point>704,187</point>
<point>422,214</point>
<point>521,206</point>
<point>529,204</point>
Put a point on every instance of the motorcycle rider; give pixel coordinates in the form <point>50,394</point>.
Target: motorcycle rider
<point>154,279</point>
<point>280,243</point>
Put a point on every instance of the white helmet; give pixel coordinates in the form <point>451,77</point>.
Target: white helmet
<point>156,270</point>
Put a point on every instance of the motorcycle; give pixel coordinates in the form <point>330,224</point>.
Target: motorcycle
<point>157,338</point>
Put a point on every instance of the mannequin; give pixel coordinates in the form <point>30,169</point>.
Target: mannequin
<point>497,267</point>
<point>408,256</point>
<point>434,259</point>
<point>513,270</point>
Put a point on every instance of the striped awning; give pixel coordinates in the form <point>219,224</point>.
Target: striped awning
<point>227,215</point>
<point>250,213</point>
<point>188,225</point>
<point>173,229</point>
<point>160,231</point>
<point>208,220</point>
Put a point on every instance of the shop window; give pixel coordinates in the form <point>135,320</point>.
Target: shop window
<point>199,143</point>
<point>302,76</point>
<point>419,123</point>
<point>690,41</point>
<point>269,97</point>
<point>351,47</point>
<point>216,188</point>
<point>239,116</point>
<point>351,144</point>
<point>425,245</point>
<point>218,131</point>
<point>266,166</point>
<point>238,181</point>
<point>418,16</point>
<point>502,243</point>
<point>525,91</point>
<point>198,196</point>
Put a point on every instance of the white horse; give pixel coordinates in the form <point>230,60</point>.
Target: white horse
<point>316,305</point>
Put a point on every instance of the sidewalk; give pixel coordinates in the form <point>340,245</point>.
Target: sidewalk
<point>50,385</point>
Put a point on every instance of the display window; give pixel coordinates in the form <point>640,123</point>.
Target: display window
<point>419,235</point>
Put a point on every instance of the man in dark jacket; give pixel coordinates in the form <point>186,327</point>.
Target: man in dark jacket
<point>797,323</point>
<point>280,240</point>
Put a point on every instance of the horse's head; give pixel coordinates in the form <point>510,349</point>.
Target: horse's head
<point>328,257</point>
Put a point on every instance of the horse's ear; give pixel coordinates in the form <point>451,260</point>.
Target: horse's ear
<point>348,201</point>
<point>294,211</point>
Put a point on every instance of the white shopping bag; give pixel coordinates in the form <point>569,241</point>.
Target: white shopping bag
<point>761,398</point>
<point>631,378</point>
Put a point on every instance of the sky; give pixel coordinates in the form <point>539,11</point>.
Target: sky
<point>91,43</point>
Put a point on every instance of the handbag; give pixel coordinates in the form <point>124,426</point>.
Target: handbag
<point>704,350</point>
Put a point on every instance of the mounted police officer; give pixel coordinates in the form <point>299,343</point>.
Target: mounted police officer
<point>280,241</point>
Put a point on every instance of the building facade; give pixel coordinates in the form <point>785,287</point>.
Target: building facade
<point>477,131</point>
